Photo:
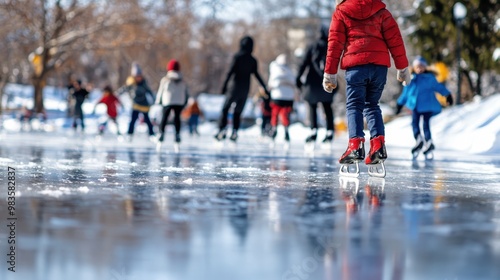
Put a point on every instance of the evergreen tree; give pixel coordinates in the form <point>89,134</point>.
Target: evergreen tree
<point>436,34</point>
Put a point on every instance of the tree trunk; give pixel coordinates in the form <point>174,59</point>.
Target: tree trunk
<point>478,84</point>
<point>38,83</point>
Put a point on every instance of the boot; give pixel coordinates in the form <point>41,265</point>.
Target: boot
<point>312,137</point>
<point>273,132</point>
<point>287,135</point>
<point>418,145</point>
<point>234,136</point>
<point>328,137</point>
<point>221,135</point>
<point>355,151</point>
<point>428,147</point>
<point>377,152</point>
<point>177,138</point>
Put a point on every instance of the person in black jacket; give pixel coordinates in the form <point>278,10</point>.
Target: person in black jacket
<point>237,85</point>
<point>314,63</point>
<point>79,94</point>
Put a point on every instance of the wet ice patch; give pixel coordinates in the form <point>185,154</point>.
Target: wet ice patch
<point>424,206</point>
<point>240,169</point>
<point>6,160</point>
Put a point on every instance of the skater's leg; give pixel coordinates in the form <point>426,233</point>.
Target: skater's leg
<point>356,80</point>
<point>284,113</point>
<point>164,121</point>
<point>327,108</point>
<point>313,115</point>
<point>415,123</point>
<point>148,123</point>
<point>177,118</point>
<point>374,89</point>
<point>275,110</point>
<point>225,113</point>
<point>133,119</point>
<point>238,109</point>
<point>427,125</point>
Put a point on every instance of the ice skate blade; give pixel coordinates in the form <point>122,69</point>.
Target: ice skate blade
<point>429,156</point>
<point>286,146</point>
<point>345,170</point>
<point>177,148</point>
<point>309,147</point>
<point>158,147</point>
<point>377,170</point>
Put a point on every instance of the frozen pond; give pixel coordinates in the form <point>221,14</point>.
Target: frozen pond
<point>89,209</point>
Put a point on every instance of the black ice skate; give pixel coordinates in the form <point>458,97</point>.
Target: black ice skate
<point>376,157</point>
<point>234,136</point>
<point>177,142</point>
<point>310,141</point>
<point>221,135</point>
<point>428,149</point>
<point>352,156</point>
<point>328,137</point>
<point>418,147</point>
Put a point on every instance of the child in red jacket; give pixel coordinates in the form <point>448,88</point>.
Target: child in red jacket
<point>111,102</point>
<point>361,36</point>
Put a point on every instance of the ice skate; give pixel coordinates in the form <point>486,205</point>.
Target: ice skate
<point>328,140</point>
<point>352,156</point>
<point>177,144</point>
<point>428,149</point>
<point>234,136</point>
<point>376,157</point>
<point>158,146</point>
<point>418,147</point>
<point>310,141</point>
<point>286,146</point>
<point>221,135</point>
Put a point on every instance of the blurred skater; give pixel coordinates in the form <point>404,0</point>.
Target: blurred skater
<point>111,101</point>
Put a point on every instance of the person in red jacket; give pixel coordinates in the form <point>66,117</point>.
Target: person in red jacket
<point>362,35</point>
<point>111,102</point>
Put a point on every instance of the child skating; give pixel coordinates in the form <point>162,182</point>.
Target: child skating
<point>111,101</point>
<point>282,86</point>
<point>420,97</point>
<point>360,39</point>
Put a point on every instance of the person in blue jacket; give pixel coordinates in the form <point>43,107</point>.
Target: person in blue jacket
<point>420,97</point>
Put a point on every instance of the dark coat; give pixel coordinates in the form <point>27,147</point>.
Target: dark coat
<point>237,82</point>
<point>314,63</point>
<point>140,92</point>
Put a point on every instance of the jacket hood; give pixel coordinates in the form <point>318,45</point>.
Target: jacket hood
<point>246,44</point>
<point>361,9</point>
<point>174,75</point>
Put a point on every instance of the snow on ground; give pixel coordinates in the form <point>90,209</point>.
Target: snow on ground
<point>471,128</point>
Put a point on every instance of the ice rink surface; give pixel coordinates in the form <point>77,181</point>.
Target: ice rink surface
<point>89,208</point>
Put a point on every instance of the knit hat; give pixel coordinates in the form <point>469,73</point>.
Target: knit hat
<point>173,65</point>
<point>135,70</point>
<point>419,61</point>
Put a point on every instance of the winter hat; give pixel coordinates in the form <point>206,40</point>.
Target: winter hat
<point>136,70</point>
<point>419,61</point>
<point>173,65</point>
<point>246,44</point>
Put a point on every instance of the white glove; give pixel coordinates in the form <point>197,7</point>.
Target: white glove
<point>404,76</point>
<point>329,82</point>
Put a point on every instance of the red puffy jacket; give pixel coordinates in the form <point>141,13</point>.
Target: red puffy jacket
<point>365,32</point>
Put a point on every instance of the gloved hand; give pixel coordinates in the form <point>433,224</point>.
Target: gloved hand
<point>398,109</point>
<point>329,82</point>
<point>404,76</point>
<point>449,100</point>
<point>298,83</point>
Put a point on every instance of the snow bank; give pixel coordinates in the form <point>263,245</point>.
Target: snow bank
<point>471,128</point>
